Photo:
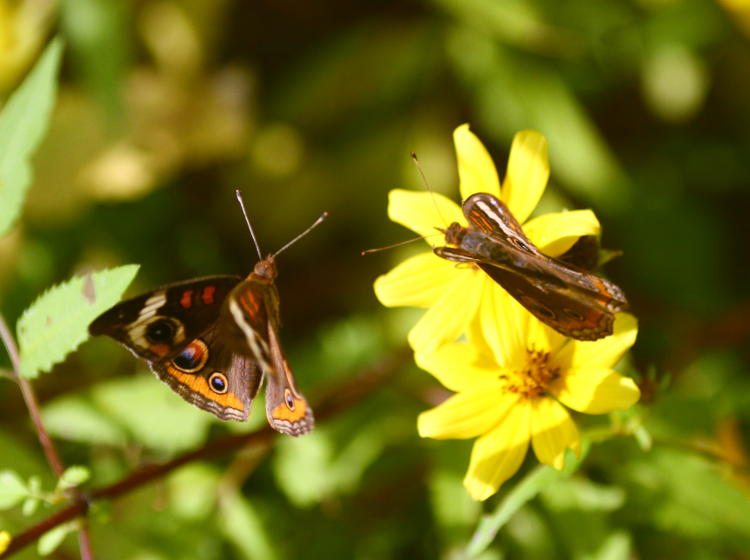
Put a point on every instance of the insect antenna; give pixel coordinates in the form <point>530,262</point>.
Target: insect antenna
<point>238,194</point>
<point>315,224</point>
<point>426,183</point>
<point>399,244</point>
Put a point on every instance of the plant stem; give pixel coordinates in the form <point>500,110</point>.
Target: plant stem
<point>337,399</point>
<point>32,404</point>
<point>29,398</point>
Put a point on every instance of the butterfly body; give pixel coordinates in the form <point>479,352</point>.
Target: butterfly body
<point>213,340</point>
<point>569,299</point>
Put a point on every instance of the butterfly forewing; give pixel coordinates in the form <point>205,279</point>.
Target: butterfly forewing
<point>569,299</point>
<point>159,324</point>
<point>254,308</point>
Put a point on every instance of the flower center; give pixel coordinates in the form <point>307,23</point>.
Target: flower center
<point>532,379</point>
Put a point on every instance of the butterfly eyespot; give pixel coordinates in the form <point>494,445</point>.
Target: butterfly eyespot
<point>192,358</point>
<point>161,331</point>
<point>218,383</point>
<point>574,314</point>
<point>289,398</point>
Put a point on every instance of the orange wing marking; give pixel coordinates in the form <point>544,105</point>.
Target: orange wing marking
<point>207,295</point>
<point>199,385</point>
<point>484,225</point>
<point>187,299</point>
<point>250,303</point>
<point>282,412</point>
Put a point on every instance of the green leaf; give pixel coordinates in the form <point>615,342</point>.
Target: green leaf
<point>526,490</point>
<point>94,27</point>
<point>76,419</point>
<point>30,506</point>
<point>12,489</point>
<point>311,484</point>
<point>152,413</point>
<point>57,322</point>
<point>23,122</point>
<point>192,491</point>
<point>242,526</point>
<point>73,476</point>
<point>50,540</point>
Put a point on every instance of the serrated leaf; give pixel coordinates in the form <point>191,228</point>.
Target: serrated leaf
<point>74,476</point>
<point>12,489</point>
<point>50,540</point>
<point>23,122</point>
<point>57,322</point>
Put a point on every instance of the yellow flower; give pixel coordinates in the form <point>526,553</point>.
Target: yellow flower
<point>507,403</point>
<point>5,539</point>
<point>453,293</point>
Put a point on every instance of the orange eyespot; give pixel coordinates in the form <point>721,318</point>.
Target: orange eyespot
<point>192,358</point>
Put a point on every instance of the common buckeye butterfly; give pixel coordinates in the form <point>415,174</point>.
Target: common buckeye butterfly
<point>570,299</point>
<point>214,339</point>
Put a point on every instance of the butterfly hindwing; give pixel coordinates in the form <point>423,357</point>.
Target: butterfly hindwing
<point>569,299</point>
<point>210,375</point>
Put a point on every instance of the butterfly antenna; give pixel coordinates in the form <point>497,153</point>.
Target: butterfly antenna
<point>238,194</point>
<point>427,186</point>
<point>315,224</point>
<point>412,240</point>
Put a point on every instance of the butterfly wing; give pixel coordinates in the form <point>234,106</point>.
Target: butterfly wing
<point>554,305</point>
<point>254,308</point>
<point>158,324</point>
<point>570,300</point>
<point>210,375</point>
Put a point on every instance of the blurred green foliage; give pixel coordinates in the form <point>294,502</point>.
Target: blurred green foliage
<point>165,107</point>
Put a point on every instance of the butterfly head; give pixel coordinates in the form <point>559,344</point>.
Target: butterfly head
<point>265,268</point>
<point>454,234</point>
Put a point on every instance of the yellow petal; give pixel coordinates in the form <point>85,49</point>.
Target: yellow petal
<point>459,366</point>
<point>476,171</point>
<point>423,212</point>
<point>467,414</point>
<point>447,319</point>
<point>418,281</point>
<point>595,390</point>
<point>498,454</point>
<point>528,171</point>
<point>552,432</point>
<point>556,232</point>
<point>5,539</point>
<point>603,353</point>
<point>503,323</point>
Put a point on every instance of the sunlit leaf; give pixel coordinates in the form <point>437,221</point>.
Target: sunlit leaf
<point>12,489</point>
<point>77,419</point>
<point>242,526</point>
<point>50,540</point>
<point>74,476</point>
<point>152,413</point>
<point>23,122</point>
<point>57,322</point>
